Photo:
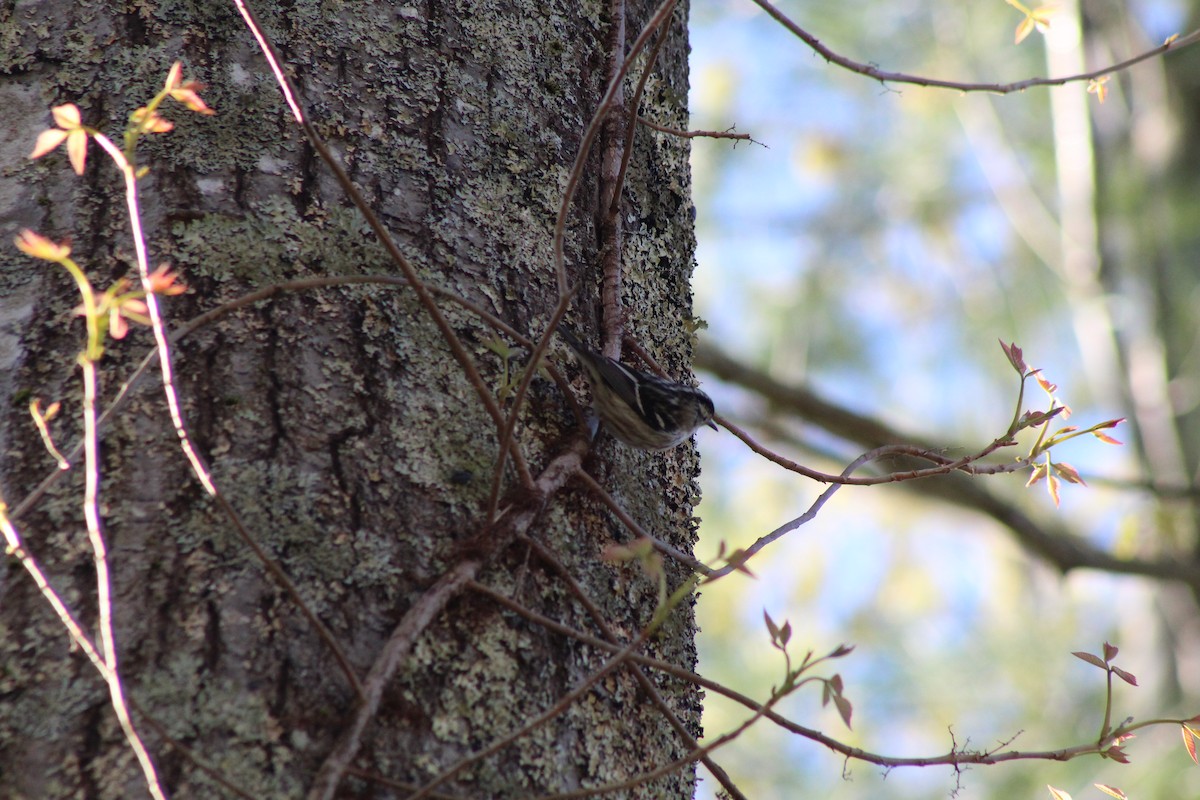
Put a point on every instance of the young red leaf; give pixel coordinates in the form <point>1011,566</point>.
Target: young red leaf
<point>1053,483</point>
<point>38,246</point>
<point>77,150</point>
<point>48,140</point>
<point>737,560</point>
<point>1068,473</point>
<point>163,281</point>
<point>772,628</point>
<point>1110,652</point>
<point>1058,794</point>
<point>1117,754</point>
<point>1125,676</point>
<point>1111,791</point>
<point>66,116</point>
<point>1015,356</point>
<point>844,708</point>
<point>174,76</point>
<point>1091,659</point>
<point>1039,472</point>
<point>189,95</point>
<point>1189,741</point>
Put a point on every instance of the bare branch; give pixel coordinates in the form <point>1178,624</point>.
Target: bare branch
<point>725,134</point>
<point>884,76</point>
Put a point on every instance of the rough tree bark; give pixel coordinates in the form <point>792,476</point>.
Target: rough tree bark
<point>335,421</point>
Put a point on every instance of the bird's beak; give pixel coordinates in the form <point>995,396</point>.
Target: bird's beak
<point>712,425</point>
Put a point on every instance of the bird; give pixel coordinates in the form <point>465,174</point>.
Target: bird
<point>641,410</point>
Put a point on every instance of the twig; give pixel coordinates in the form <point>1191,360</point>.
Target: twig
<point>638,531</point>
<point>609,232</point>
<point>726,134</point>
<point>108,642</point>
<point>519,517</point>
<point>156,321</point>
<point>585,145</point>
<point>547,556</point>
<point>871,71</point>
<point>952,758</point>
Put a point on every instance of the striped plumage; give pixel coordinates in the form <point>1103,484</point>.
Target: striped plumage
<point>640,409</point>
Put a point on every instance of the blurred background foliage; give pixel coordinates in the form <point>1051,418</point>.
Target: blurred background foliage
<point>872,250</point>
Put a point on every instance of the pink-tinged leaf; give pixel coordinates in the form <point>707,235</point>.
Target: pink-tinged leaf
<point>1039,472</point>
<point>38,246</point>
<point>134,309</point>
<point>1046,385</point>
<point>1031,418</point>
<point>738,559</point>
<point>150,121</point>
<point>1015,356</point>
<point>618,553</point>
<point>48,140</point>
<point>1189,741</point>
<point>117,326</point>
<point>1117,754</point>
<point>772,628</point>
<point>1125,676</point>
<point>1099,87</point>
<point>66,116</point>
<point>1104,437</point>
<point>1110,652</point>
<point>842,650</point>
<point>1058,794</point>
<point>174,76</point>
<point>1111,791</point>
<point>1068,473</point>
<point>785,633</point>
<point>189,95</point>
<point>163,281</point>
<point>836,683</point>
<point>1052,483</point>
<point>1091,659</point>
<point>77,149</point>
<point>844,708</point>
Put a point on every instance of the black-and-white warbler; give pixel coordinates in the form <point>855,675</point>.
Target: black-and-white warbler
<point>640,409</point>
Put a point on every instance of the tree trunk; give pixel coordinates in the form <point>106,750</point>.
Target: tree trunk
<point>338,425</point>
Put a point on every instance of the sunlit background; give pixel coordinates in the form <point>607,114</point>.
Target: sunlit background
<point>873,248</point>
